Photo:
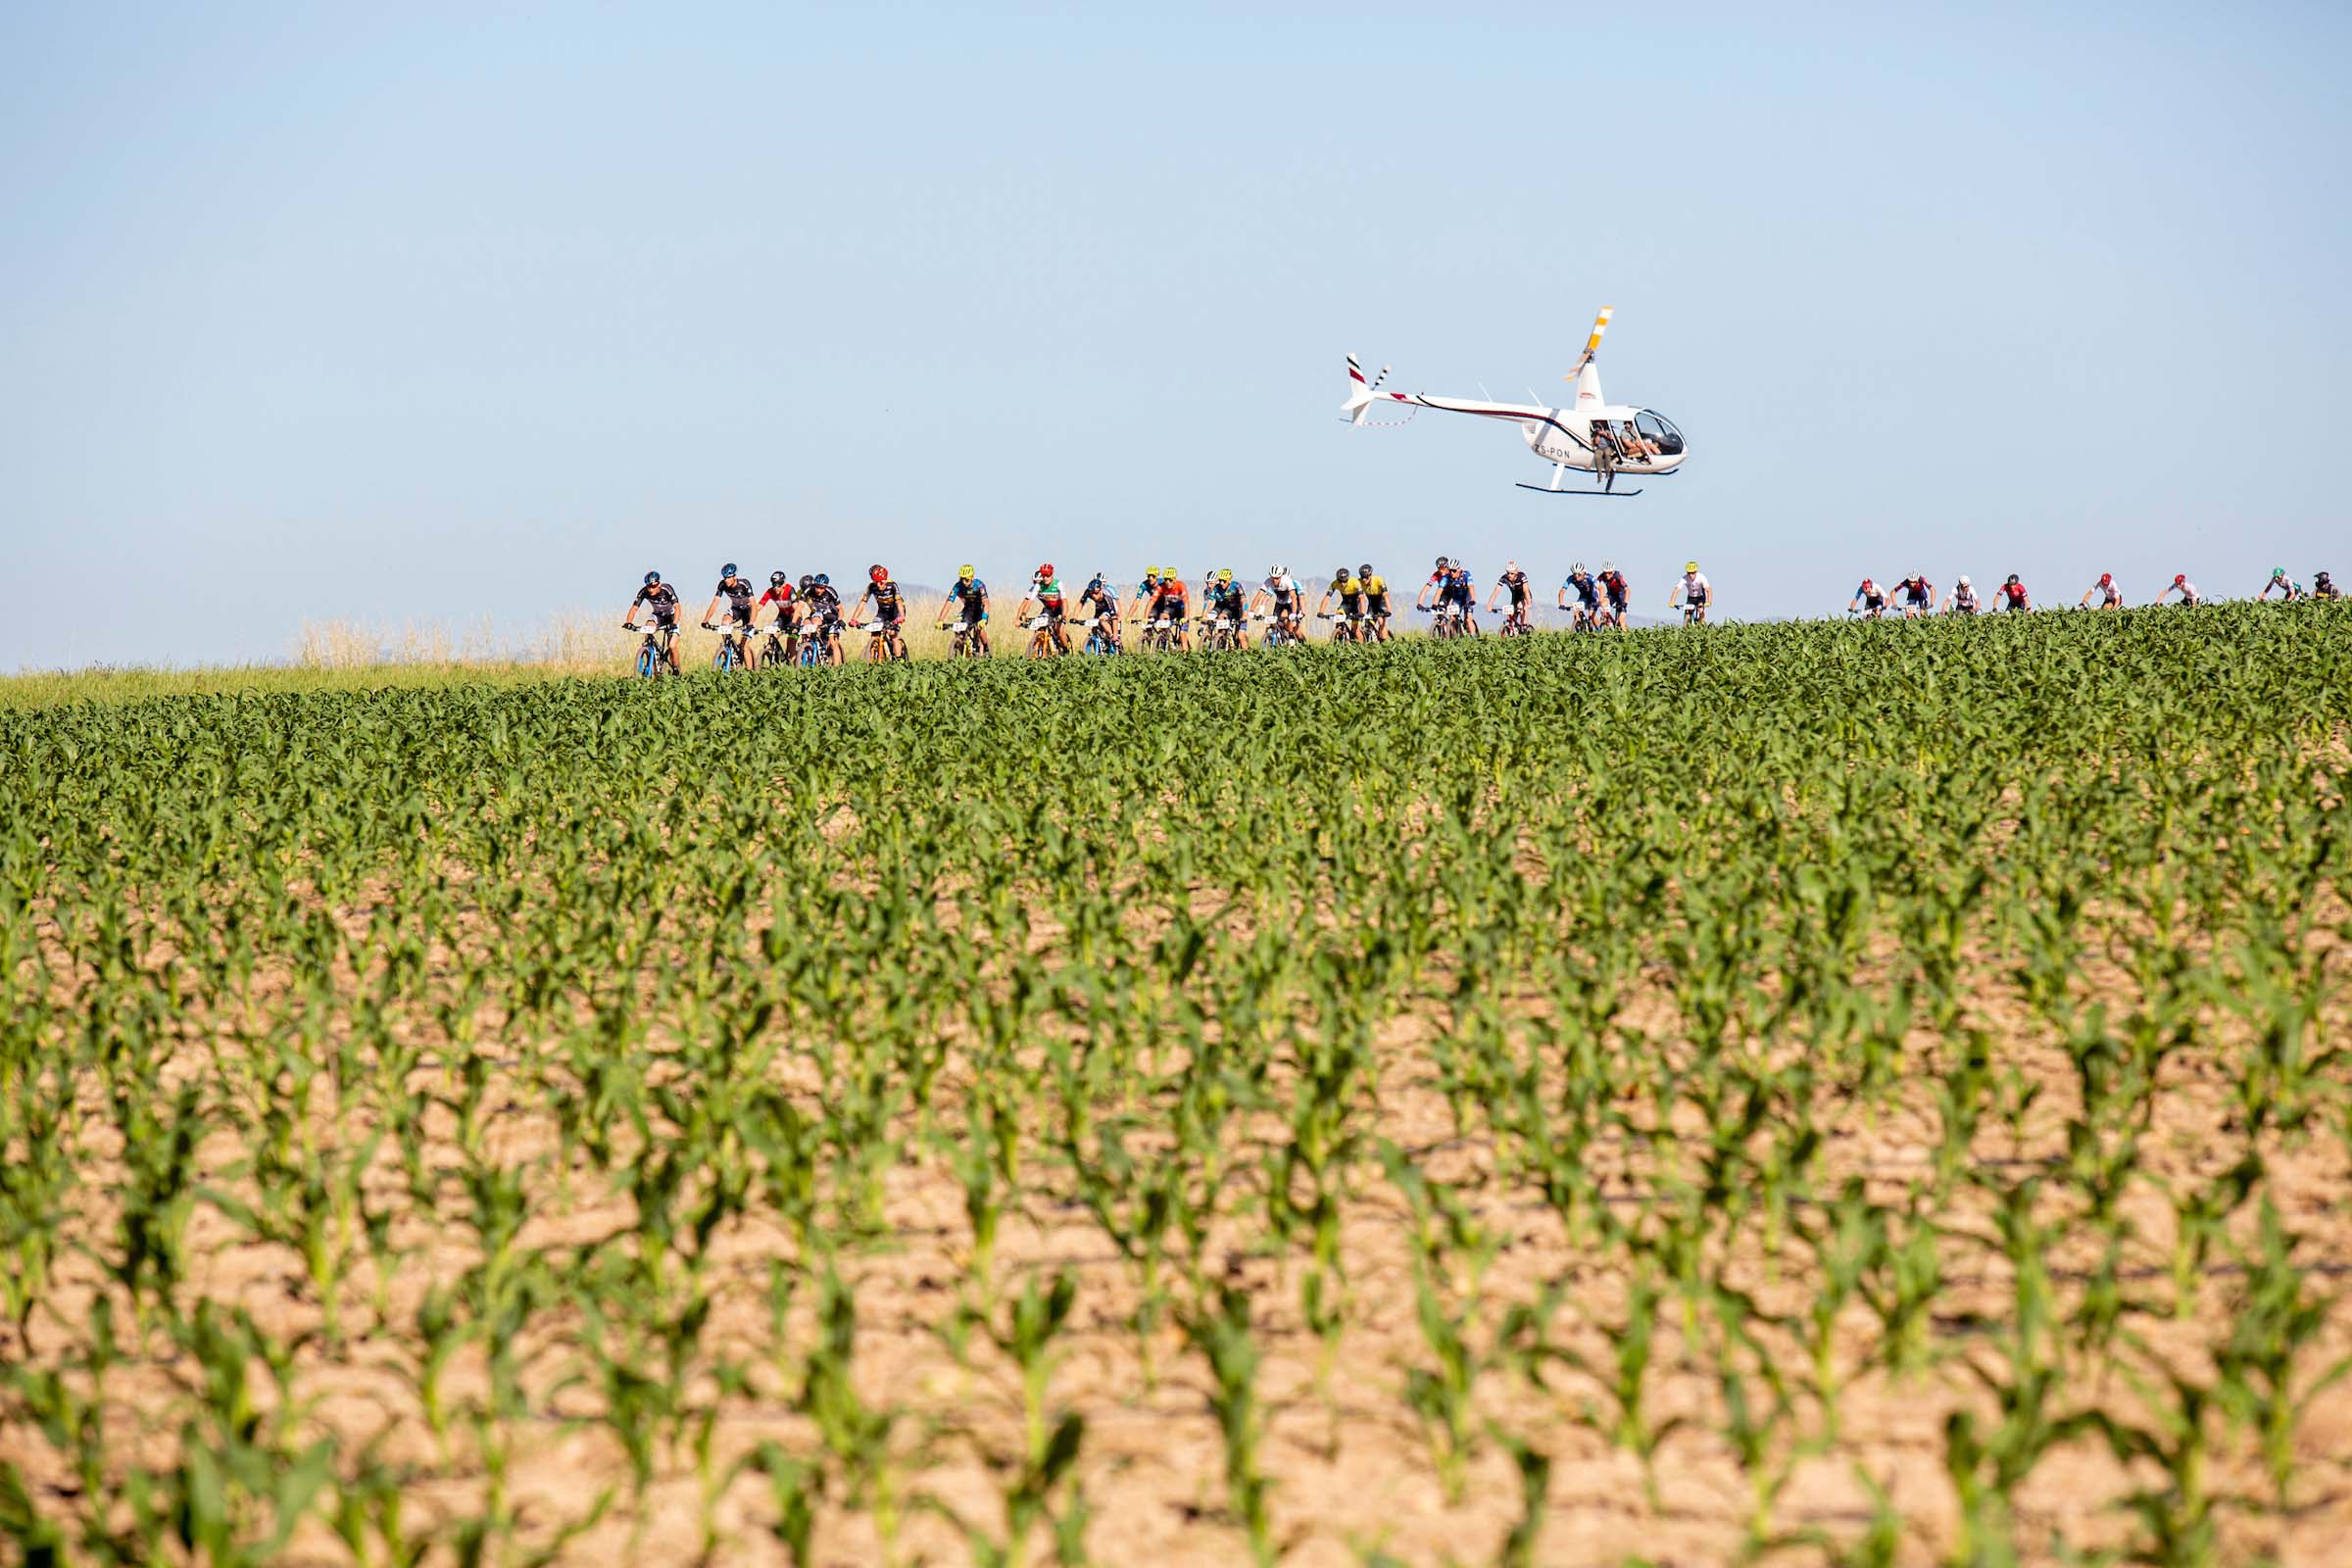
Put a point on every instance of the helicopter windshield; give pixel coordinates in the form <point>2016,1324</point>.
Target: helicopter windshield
<point>1659,431</point>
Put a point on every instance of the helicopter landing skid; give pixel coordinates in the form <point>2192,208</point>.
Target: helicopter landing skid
<point>1598,495</point>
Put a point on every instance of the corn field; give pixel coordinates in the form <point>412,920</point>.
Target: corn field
<point>1823,1094</point>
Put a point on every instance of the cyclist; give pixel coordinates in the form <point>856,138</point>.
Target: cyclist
<point>1695,592</point>
<point>2324,587</point>
<point>1870,598</point>
<point>890,605</point>
<point>1171,602</point>
<point>1460,588</point>
<point>1618,591</point>
<point>1348,589</point>
<point>1279,593</point>
<point>737,592</point>
<point>2013,595</point>
<point>2288,589</point>
<point>1044,589</point>
<point>1918,595</point>
<point>1516,581</point>
<point>779,594</point>
<point>1437,580</point>
<point>820,603</point>
<point>2110,595</point>
<point>1963,598</point>
<point>1099,604</point>
<point>1587,589</point>
<point>1376,601</point>
<point>1225,601</point>
<point>2184,587</point>
<point>661,600</point>
<point>966,602</point>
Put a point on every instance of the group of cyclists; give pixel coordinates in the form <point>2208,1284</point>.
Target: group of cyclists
<point>804,622</point>
<point>1915,596</point>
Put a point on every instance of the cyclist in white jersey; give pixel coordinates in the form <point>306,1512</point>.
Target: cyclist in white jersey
<point>2184,587</point>
<point>1963,598</point>
<point>1694,591</point>
<point>2111,597</point>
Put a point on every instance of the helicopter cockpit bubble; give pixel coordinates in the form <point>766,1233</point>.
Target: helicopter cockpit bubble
<point>1659,430</point>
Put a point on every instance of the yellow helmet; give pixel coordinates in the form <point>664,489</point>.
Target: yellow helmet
<point>1225,575</point>
<point>1690,566</point>
<point>963,573</point>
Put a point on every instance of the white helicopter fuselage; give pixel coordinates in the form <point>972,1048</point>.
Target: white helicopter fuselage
<point>1589,434</point>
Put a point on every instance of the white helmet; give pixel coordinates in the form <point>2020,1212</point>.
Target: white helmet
<point>1964,579</point>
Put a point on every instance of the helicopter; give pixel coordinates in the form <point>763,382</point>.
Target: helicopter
<point>1592,437</point>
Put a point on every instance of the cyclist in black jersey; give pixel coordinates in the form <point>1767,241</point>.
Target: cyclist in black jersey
<point>1515,580</point>
<point>736,590</point>
<point>889,604</point>
<point>820,616</point>
<point>661,600</point>
<point>1099,604</point>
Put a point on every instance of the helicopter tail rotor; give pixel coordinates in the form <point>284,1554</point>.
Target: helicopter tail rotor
<point>1359,390</point>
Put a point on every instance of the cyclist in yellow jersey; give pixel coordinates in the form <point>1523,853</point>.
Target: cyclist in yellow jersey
<point>1376,601</point>
<point>1349,589</point>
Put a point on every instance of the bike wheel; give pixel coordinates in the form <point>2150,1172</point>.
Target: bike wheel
<point>646,658</point>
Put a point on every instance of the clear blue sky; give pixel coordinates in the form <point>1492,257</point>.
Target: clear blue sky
<point>424,312</point>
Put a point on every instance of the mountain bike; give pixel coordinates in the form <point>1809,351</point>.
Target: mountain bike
<point>653,654</point>
<point>776,650</point>
<point>878,638</point>
<point>1515,623</point>
<point>969,642</point>
<point>1694,615</point>
<point>734,645</point>
<point>1344,627</point>
<point>1450,622</point>
<point>1042,643</point>
<point>818,646</point>
<point>1100,637</point>
<point>1224,632</point>
<point>1158,635</point>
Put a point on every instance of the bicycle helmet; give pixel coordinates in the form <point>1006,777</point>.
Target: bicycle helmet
<point>1225,574</point>
<point>2106,577</point>
<point>2179,577</point>
<point>1442,562</point>
<point>1690,566</point>
<point>807,582</point>
<point>727,570</point>
<point>1094,582</point>
<point>2277,573</point>
<point>775,579</point>
<point>1609,566</point>
<point>651,577</point>
<point>2013,576</point>
<point>877,573</point>
<point>964,573</point>
<point>1364,570</point>
<point>1339,576</point>
<point>1964,582</point>
<point>1576,569</point>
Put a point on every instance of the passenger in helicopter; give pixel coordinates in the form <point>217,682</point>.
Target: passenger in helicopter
<point>1605,450</point>
<point>1638,448</point>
